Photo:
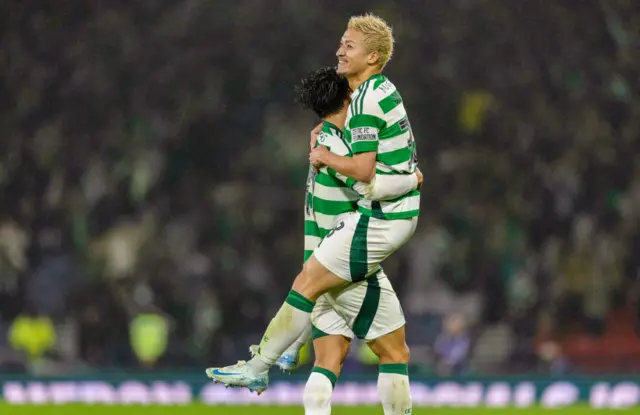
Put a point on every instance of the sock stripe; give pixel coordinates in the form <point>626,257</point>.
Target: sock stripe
<point>397,368</point>
<point>333,378</point>
<point>297,300</point>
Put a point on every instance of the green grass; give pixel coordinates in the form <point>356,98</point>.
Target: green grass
<point>266,410</point>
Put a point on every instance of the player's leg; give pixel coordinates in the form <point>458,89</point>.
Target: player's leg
<point>373,312</point>
<point>393,377</point>
<point>327,269</point>
<point>331,340</point>
<point>330,353</point>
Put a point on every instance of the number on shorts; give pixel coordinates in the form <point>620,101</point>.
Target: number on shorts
<point>337,228</point>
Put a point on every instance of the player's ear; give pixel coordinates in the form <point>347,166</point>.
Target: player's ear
<point>374,58</point>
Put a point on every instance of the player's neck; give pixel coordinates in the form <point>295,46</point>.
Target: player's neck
<point>358,79</point>
<point>337,119</point>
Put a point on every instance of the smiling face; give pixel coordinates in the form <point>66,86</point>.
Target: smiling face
<point>353,56</point>
<point>365,48</point>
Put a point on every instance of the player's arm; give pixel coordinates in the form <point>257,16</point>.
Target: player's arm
<point>389,186</point>
<point>364,129</point>
<point>362,167</point>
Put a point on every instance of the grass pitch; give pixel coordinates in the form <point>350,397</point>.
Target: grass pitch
<point>280,410</point>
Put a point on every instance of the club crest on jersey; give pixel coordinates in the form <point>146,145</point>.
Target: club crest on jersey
<point>322,137</point>
<point>364,134</point>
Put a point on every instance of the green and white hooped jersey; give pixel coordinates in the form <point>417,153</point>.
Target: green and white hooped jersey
<point>327,196</point>
<point>377,121</point>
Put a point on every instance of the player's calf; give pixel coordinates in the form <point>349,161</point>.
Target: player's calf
<point>393,377</point>
<point>330,353</point>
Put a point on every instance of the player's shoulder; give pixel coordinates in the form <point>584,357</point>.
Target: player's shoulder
<point>329,135</point>
<point>375,91</point>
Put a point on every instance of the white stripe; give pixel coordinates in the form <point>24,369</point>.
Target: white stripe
<point>325,221</point>
<point>402,167</point>
<point>311,242</point>
<point>335,194</point>
<point>395,143</point>
<point>395,115</point>
<point>383,167</point>
<point>404,205</point>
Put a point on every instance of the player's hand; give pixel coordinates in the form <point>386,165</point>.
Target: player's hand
<point>418,173</point>
<point>316,157</point>
<point>314,135</point>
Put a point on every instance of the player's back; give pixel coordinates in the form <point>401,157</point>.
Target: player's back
<point>377,121</point>
<point>328,197</point>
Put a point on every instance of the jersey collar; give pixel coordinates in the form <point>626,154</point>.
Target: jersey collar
<point>327,125</point>
<point>372,77</point>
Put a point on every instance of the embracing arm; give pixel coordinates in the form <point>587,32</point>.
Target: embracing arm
<point>389,186</point>
<point>360,167</point>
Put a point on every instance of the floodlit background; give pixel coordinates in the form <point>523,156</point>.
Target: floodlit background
<point>153,162</point>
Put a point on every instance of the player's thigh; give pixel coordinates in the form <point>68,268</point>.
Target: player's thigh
<point>315,280</point>
<point>387,236</point>
<point>335,251</point>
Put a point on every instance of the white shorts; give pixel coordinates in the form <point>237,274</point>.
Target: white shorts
<point>357,245</point>
<point>367,310</point>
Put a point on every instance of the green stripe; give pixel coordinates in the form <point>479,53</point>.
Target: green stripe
<point>379,80</point>
<point>365,146</point>
<point>307,255</point>
<point>396,368</point>
<point>297,300</point>
<point>410,194</point>
<point>366,120</point>
<point>378,171</point>
<point>401,155</point>
<point>331,129</point>
<point>376,210</point>
<point>329,374</point>
<point>311,228</point>
<point>364,87</point>
<point>394,130</point>
<point>389,103</point>
<point>392,215</point>
<point>368,310</point>
<point>316,333</point>
<point>332,207</point>
<point>358,254</point>
<point>329,180</point>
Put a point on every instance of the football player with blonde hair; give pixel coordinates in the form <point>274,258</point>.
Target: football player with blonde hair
<point>378,135</point>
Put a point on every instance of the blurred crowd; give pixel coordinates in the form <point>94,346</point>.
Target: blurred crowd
<point>152,170</point>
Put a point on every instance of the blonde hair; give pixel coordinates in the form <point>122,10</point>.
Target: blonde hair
<point>378,35</point>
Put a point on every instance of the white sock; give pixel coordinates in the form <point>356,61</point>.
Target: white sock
<point>285,328</point>
<point>302,340</point>
<point>318,391</point>
<point>393,389</point>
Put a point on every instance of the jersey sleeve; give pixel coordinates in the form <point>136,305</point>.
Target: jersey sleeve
<point>387,186</point>
<point>365,125</point>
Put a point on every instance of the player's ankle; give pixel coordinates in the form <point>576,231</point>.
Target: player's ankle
<point>259,364</point>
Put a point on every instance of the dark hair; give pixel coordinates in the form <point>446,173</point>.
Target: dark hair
<point>323,91</point>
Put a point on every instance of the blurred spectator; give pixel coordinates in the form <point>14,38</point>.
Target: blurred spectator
<point>551,359</point>
<point>452,347</point>
<point>33,335</point>
<point>182,168</point>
